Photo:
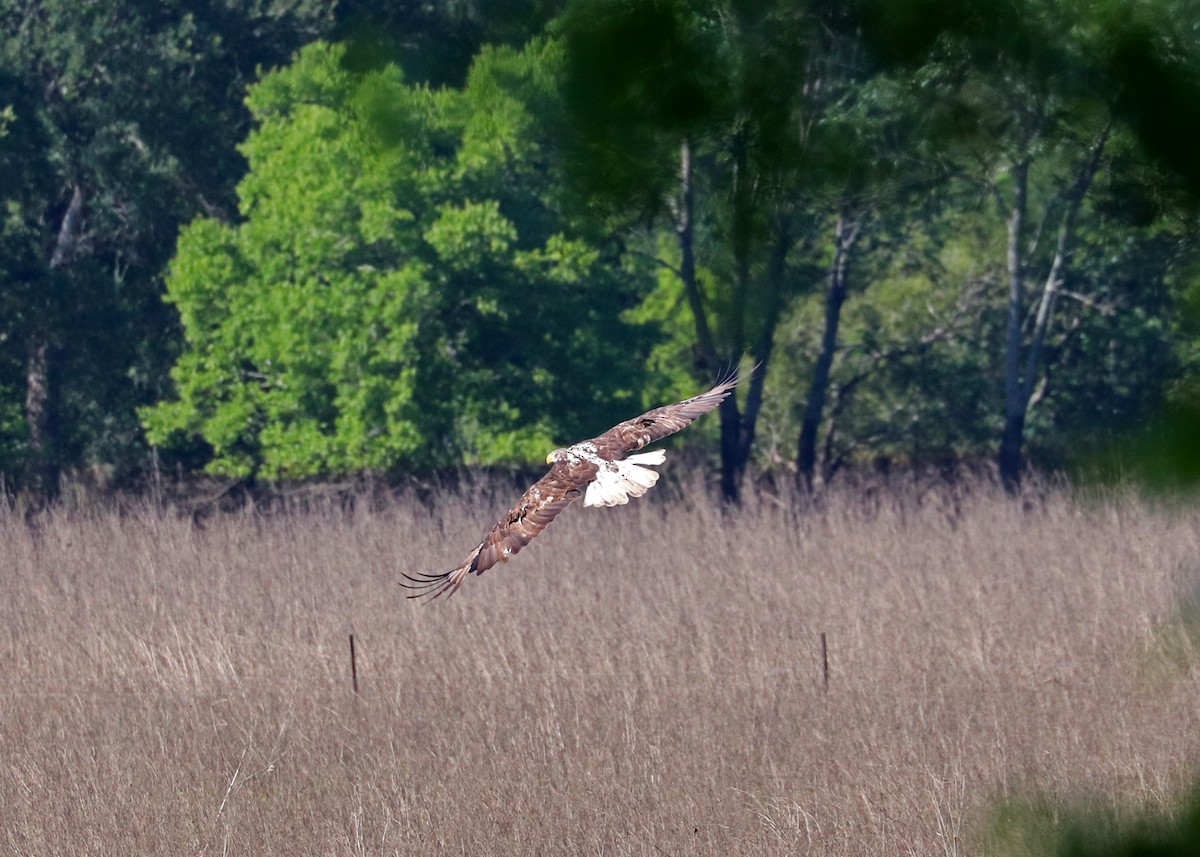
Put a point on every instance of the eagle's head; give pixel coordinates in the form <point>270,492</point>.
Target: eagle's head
<point>557,455</point>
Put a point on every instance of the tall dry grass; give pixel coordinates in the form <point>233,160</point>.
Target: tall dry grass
<point>641,681</point>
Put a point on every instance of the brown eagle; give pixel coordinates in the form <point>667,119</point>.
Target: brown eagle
<point>600,470</point>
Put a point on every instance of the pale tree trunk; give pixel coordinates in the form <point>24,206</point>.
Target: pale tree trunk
<point>1062,256</point>
<point>37,373</point>
<point>1011,438</point>
<point>67,241</point>
<point>845,235</point>
<point>1018,388</point>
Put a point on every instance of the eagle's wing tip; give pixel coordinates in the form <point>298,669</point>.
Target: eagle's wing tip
<point>735,377</point>
<point>435,585</point>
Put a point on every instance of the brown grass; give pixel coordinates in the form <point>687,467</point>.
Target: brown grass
<point>642,681</point>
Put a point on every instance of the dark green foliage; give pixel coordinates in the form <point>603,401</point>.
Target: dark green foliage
<point>434,43</point>
<point>122,123</point>
<point>1029,828</point>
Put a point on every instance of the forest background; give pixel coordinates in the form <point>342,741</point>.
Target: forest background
<point>277,241</point>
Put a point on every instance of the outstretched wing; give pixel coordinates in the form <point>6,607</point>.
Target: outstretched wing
<point>632,435</point>
<point>566,482</point>
<point>540,505</point>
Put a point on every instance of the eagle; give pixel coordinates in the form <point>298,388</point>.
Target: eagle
<point>605,471</point>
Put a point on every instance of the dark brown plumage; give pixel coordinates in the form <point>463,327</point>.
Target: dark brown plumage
<point>602,470</point>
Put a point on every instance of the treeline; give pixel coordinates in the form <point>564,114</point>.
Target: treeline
<point>304,240</point>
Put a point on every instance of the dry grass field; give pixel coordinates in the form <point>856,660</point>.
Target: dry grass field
<point>641,681</point>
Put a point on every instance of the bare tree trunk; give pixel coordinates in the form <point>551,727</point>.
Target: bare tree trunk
<point>742,231</point>
<point>39,477</point>
<point>708,358</point>
<point>737,426</point>
<point>37,370</point>
<point>776,276</point>
<point>845,234</point>
<point>68,231</point>
<point>731,467</point>
<point>1009,458</point>
<point>1019,389</point>
<point>685,236</point>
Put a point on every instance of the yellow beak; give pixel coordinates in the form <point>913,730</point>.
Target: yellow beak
<point>549,457</point>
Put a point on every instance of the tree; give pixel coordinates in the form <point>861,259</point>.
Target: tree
<point>906,367</point>
<point>1045,91</point>
<point>878,194</point>
<point>122,121</point>
<point>697,117</point>
<point>435,43</point>
<point>403,291</point>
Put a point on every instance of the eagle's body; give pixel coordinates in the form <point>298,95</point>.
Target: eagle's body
<point>606,471</point>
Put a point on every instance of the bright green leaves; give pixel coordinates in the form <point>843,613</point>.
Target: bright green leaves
<point>393,298</point>
<point>466,236</point>
<point>562,260</point>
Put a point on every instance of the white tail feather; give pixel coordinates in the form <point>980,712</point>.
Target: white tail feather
<point>658,456</point>
<point>617,481</point>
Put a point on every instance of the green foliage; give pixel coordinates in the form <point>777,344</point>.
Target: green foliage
<point>411,275</point>
<point>398,294</point>
<point>1043,828</point>
<point>133,110</point>
<point>434,43</point>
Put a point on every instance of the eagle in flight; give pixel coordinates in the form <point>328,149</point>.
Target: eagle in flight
<point>606,471</point>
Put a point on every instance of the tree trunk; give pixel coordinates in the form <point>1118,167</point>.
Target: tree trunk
<point>685,236</point>
<point>845,234</point>
<point>1018,389</point>
<point>1012,436</point>
<point>737,425</point>
<point>742,233</point>
<point>777,288</point>
<point>1062,256</point>
<point>708,358</point>
<point>37,387</point>
<point>40,468</point>
<point>732,466</point>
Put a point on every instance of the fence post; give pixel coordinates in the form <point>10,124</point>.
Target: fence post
<point>824,663</point>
